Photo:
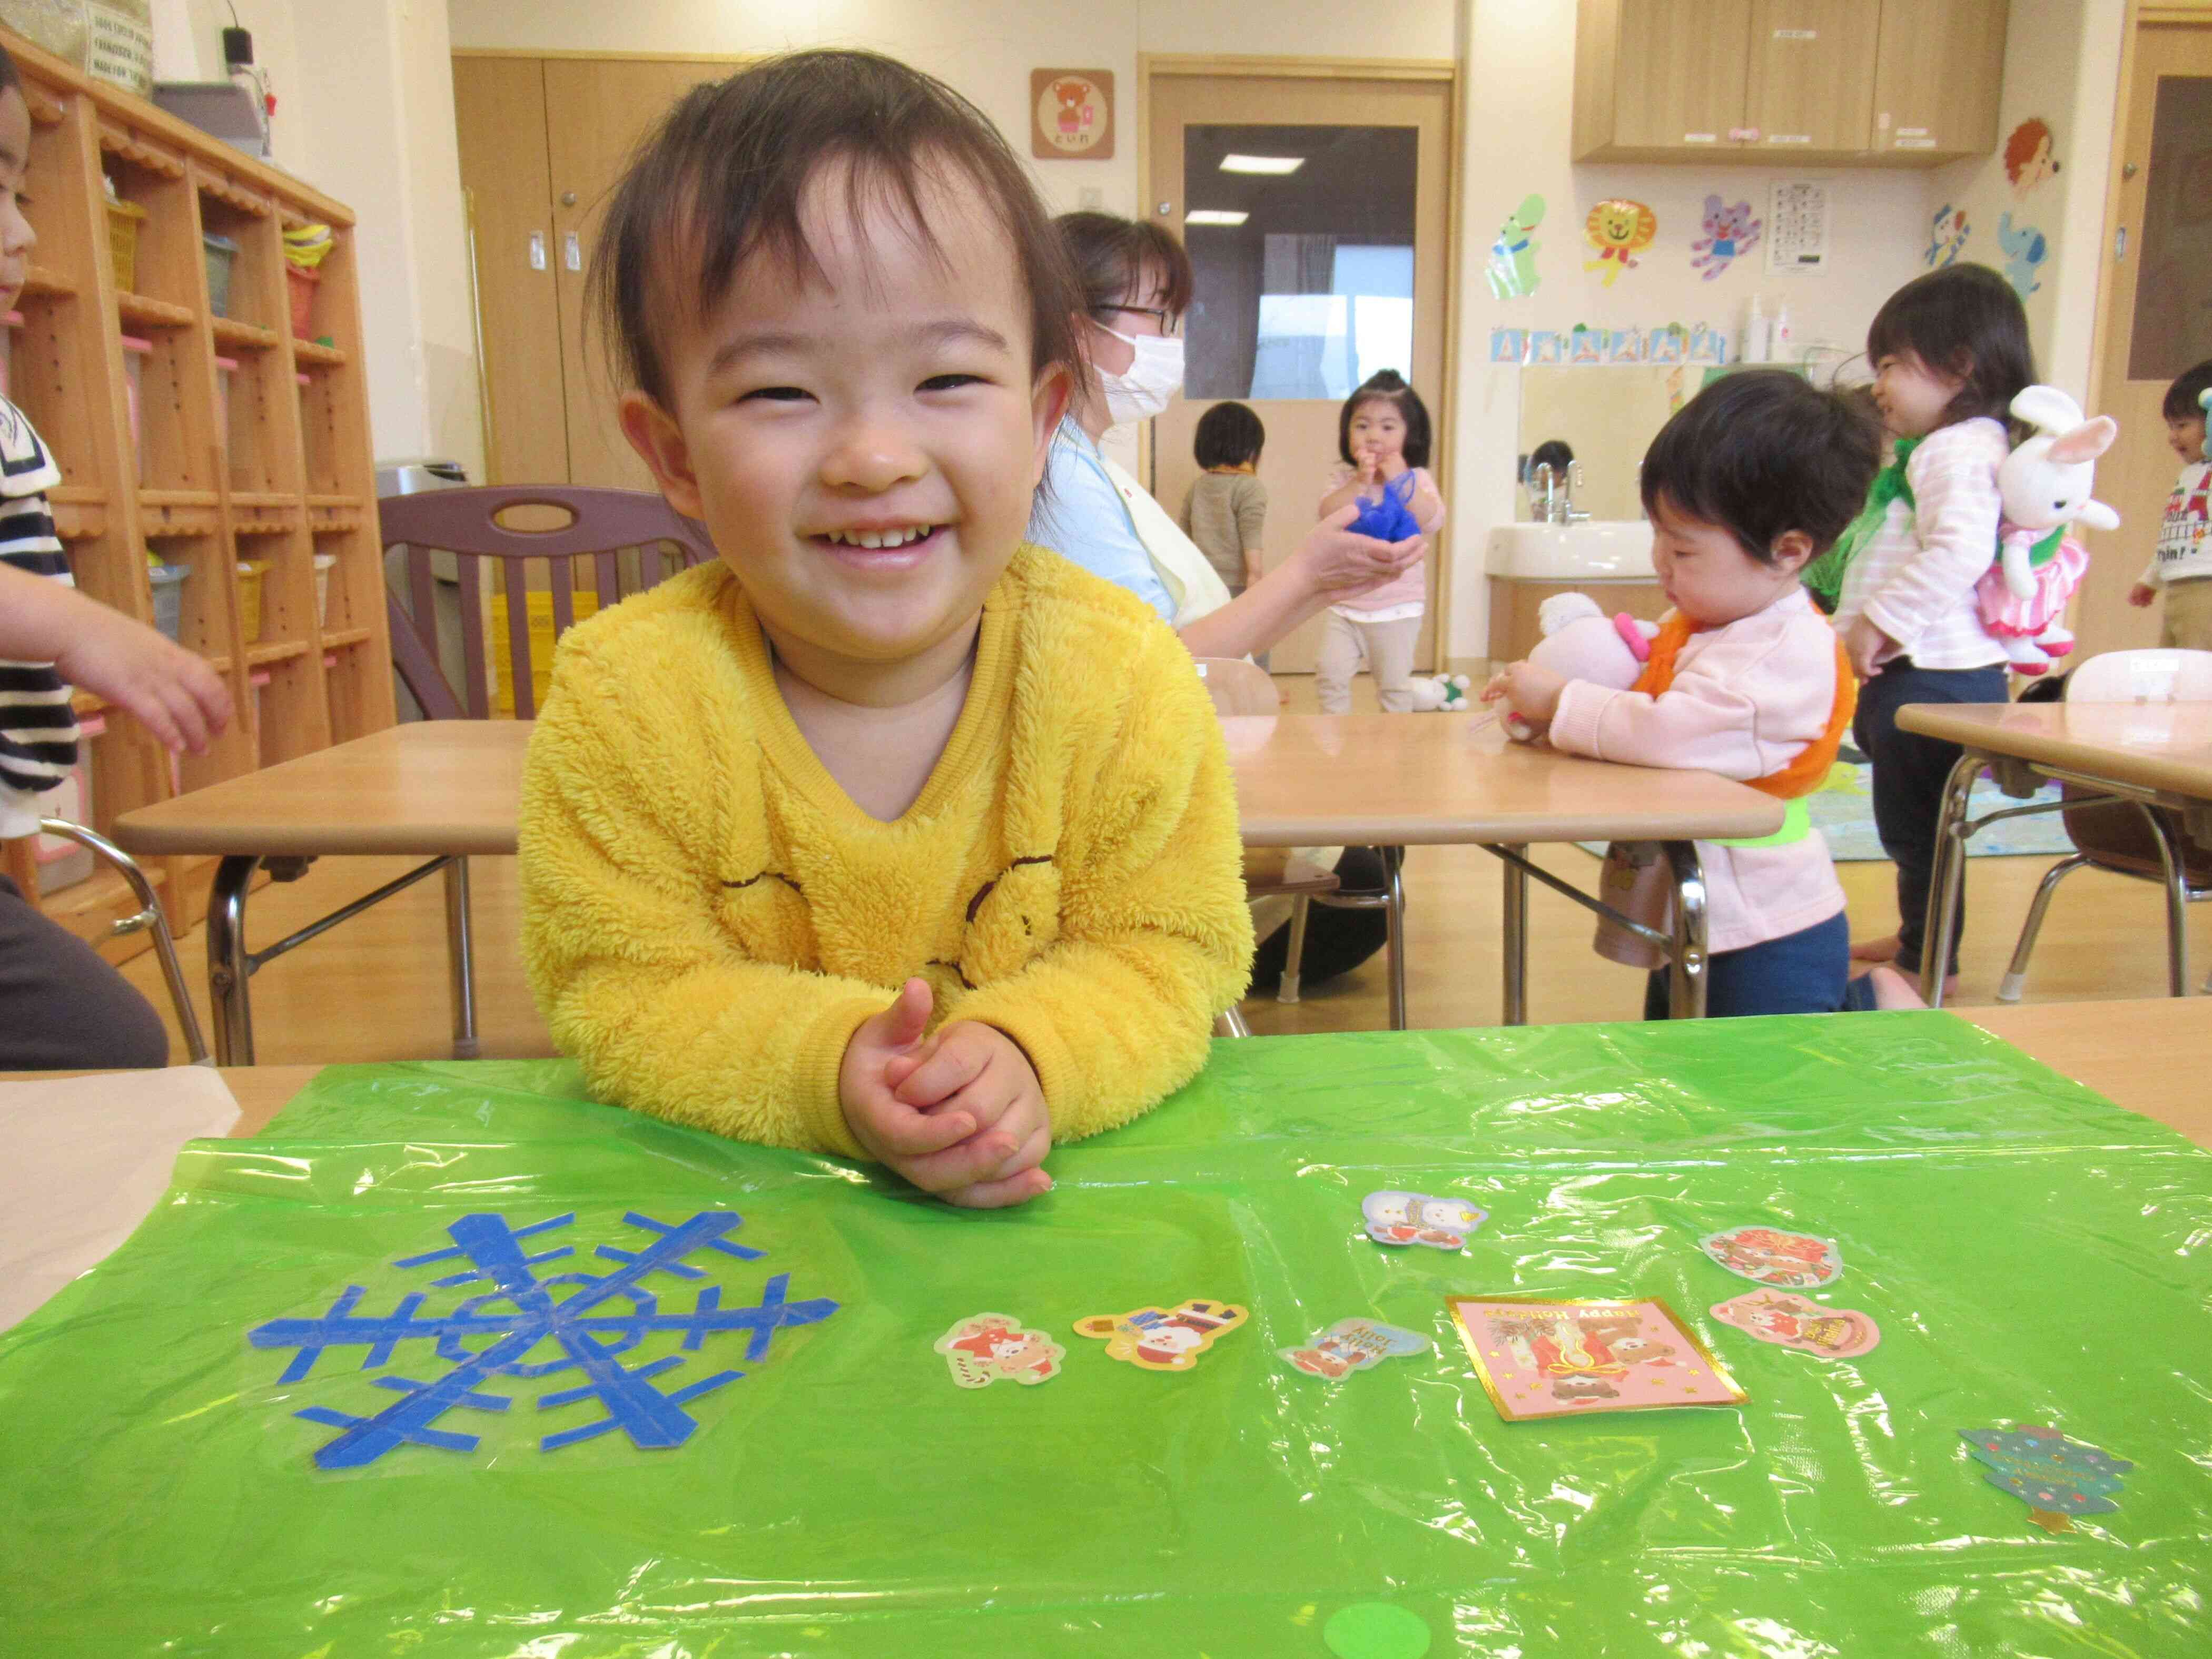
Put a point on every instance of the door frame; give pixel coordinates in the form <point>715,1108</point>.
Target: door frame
<point>2187,14</point>
<point>1444,72</point>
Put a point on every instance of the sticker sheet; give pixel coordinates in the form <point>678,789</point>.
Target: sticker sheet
<point>1162,1339</point>
<point>990,1347</point>
<point>1538,1359</point>
<point>1352,1344</point>
<point>1789,1320</point>
<point>1769,1255</point>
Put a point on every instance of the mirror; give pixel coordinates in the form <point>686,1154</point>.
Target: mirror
<point>1608,416</point>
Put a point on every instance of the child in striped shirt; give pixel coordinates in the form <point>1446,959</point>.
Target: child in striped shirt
<point>62,1007</point>
<point>1950,351</point>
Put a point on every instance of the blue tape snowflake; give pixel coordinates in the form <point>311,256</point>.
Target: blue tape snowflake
<point>490,1336</point>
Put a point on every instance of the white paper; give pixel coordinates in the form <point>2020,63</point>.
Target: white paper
<point>1798,228</point>
<point>82,1161</point>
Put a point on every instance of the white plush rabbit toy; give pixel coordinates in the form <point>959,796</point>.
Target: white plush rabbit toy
<point>2045,485</point>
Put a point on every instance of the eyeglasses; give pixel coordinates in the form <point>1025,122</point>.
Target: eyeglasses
<point>1169,324</point>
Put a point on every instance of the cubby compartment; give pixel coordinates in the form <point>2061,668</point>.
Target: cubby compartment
<point>258,415</point>
<point>47,369</point>
<point>321,450</point>
<point>170,262</point>
<point>256,293</point>
<point>177,436</point>
<point>205,617</point>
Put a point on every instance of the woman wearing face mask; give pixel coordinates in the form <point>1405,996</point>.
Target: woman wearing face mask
<point>1137,284</point>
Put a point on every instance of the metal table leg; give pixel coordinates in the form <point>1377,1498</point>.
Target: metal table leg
<point>2177,904</point>
<point>1393,911</point>
<point>460,959</point>
<point>1517,938</point>
<point>1686,961</point>
<point>230,971</point>
<point>1947,880</point>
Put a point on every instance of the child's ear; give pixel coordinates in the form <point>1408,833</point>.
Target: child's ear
<point>652,432</point>
<point>1048,405</point>
<point>1791,552</point>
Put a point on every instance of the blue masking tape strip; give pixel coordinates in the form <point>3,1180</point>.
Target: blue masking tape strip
<point>519,1314</point>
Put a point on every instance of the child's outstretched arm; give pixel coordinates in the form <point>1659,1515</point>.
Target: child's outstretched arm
<point>1156,939</point>
<point>178,697</point>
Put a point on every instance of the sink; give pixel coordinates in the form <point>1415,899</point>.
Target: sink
<point>1596,551</point>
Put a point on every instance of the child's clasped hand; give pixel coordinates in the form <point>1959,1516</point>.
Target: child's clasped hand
<point>961,1114</point>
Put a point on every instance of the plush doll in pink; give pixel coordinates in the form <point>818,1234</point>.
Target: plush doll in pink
<point>1582,643</point>
<point>2044,484</point>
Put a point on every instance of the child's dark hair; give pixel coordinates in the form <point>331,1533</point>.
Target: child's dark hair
<point>1760,453</point>
<point>2188,386</point>
<point>1229,435</point>
<point>1386,386</point>
<point>10,74</point>
<point>1111,254</point>
<point>724,175</point>
<point>1963,320</point>
<point>1554,453</point>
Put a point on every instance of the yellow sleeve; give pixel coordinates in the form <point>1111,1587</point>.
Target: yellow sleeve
<point>622,823</point>
<point>1156,939</point>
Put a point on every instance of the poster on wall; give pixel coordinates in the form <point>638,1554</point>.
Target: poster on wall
<point>1797,229</point>
<point>1071,115</point>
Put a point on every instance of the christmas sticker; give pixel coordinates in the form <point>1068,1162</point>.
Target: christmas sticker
<point>1441,1223</point>
<point>1162,1339</point>
<point>2055,1477</point>
<point>1352,1344</point>
<point>991,1347</point>
<point>1768,1255</point>
<point>1789,1320</point>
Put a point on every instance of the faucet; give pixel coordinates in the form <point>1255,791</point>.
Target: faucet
<point>1555,505</point>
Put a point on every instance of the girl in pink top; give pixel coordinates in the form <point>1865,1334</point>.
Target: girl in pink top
<point>1384,435</point>
<point>1753,477</point>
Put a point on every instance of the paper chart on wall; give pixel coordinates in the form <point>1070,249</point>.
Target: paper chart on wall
<point>1797,229</point>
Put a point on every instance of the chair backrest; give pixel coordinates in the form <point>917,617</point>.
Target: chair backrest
<point>600,525</point>
<point>2143,676</point>
<point>1238,687</point>
<point>2116,836</point>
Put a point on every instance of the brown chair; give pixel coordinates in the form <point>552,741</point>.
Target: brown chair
<point>2128,837</point>
<point>1238,687</point>
<point>602,524</point>
<point>635,541</point>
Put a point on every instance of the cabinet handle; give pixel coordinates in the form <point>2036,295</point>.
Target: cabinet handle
<point>537,249</point>
<point>2120,245</point>
<point>572,251</point>
<point>568,198</point>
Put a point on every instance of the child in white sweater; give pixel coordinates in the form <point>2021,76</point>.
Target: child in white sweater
<point>1753,477</point>
<point>2181,565</point>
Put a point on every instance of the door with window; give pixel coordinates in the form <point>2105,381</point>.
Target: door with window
<point>2158,317</point>
<point>1316,212</point>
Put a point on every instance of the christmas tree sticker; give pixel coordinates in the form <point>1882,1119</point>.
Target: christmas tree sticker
<point>2057,1478</point>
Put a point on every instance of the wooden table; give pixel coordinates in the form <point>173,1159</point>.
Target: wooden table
<point>2149,1056</point>
<point>448,790</point>
<point>1388,781</point>
<point>2147,753</point>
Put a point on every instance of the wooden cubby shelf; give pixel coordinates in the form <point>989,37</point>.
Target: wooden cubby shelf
<point>137,308</point>
<point>215,472</point>
<point>235,335</point>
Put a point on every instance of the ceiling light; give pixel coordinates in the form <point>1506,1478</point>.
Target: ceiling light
<point>1214,216</point>
<point>1275,164</point>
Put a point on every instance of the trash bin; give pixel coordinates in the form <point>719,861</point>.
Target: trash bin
<point>410,477</point>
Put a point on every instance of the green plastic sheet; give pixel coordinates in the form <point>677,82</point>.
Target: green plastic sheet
<point>2033,1253</point>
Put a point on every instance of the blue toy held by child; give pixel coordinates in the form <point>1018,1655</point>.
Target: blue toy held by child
<point>1391,518</point>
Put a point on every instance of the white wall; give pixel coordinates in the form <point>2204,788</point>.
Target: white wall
<point>365,114</point>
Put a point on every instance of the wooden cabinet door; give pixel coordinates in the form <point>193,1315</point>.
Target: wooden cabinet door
<point>1938,73</point>
<point>1812,73</point>
<point>498,109</point>
<point>602,107</point>
<point>1679,73</point>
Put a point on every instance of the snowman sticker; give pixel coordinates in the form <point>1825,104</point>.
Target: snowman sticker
<point>1441,1223</point>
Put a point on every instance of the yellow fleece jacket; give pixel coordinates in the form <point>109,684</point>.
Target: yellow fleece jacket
<point>708,917</point>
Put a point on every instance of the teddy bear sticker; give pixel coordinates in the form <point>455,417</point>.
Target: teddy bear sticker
<point>1441,1223</point>
<point>992,1347</point>
<point>1730,232</point>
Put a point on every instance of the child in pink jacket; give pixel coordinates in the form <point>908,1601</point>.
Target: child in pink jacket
<point>1752,479</point>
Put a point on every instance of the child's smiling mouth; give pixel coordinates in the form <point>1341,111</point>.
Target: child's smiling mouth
<point>891,547</point>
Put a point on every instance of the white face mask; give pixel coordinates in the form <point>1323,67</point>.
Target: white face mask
<point>1149,383</point>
